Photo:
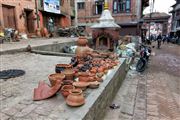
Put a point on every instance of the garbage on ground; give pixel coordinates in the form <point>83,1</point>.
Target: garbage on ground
<point>114,106</point>
<point>127,46</point>
<point>24,36</point>
<point>69,49</point>
<point>132,67</point>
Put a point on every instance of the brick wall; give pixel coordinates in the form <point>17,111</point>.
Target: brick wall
<point>19,6</point>
<point>86,15</point>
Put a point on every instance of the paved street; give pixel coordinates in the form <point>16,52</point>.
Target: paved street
<point>17,93</point>
<point>153,95</point>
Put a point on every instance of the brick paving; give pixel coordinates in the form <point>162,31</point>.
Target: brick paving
<point>153,95</point>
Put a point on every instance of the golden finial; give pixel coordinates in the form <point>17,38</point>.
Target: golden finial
<point>106,5</point>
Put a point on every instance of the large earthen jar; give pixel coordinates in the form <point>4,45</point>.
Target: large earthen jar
<point>82,50</point>
<point>75,98</point>
<point>82,41</point>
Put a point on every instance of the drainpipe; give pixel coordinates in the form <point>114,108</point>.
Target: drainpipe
<point>36,7</point>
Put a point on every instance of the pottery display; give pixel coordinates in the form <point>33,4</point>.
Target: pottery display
<point>65,90</point>
<point>81,85</point>
<point>54,77</point>
<point>75,98</point>
<point>61,67</point>
<point>87,66</point>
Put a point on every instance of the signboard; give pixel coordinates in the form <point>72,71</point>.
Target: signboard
<point>52,6</point>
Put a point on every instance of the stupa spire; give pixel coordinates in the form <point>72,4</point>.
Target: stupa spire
<point>105,5</point>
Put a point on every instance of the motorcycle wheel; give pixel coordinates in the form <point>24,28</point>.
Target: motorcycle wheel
<point>141,65</point>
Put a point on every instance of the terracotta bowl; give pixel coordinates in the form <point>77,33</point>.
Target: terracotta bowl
<point>54,77</point>
<point>61,67</point>
<point>81,85</point>
<point>65,90</point>
<point>94,85</point>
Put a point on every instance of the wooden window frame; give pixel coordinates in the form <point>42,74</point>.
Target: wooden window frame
<point>81,5</point>
<point>121,6</point>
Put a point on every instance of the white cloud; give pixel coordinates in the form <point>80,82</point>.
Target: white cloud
<point>161,6</point>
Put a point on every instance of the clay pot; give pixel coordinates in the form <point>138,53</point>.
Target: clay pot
<point>94,85</point>
<point>54,77</point>
<point>65,90</point>
<point>93,70</point>
<point>46,32</point>
<point>99,79</point>
<point>100,75</point>
<point>82,41</point>
<point>83,76</point>
<point>82,51</point>
<point>61,67</point>
<point>75,98</point>
<point>67,82</point>
<point>81,85</point>
<point>69,73</point>
<point>101,69</point>
<point>38,32</point>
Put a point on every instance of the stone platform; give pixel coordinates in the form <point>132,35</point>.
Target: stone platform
<point>16,98</point>
<point>96,99</point>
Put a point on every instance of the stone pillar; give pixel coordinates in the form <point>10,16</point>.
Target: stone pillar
<point>108,43</point>
<point>97,42</point>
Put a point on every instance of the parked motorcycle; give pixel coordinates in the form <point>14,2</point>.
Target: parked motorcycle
<point>144,58</point>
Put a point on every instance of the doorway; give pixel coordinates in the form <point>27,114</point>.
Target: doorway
<point>9,16</point>
<point>29,21</point>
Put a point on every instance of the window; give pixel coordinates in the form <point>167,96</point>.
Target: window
<point>121,6</point>
<point>81,5</point>
<point>99,6</point>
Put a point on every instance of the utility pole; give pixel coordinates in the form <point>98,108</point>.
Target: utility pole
<point>150,16</point>
<point>37,16</point>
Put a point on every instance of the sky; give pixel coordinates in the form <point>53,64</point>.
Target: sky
<point>161,6</point>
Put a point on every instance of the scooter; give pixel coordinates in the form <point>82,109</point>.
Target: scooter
<point>144,58</point>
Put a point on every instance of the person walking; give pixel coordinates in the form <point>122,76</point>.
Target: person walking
<point>159,39</point>
<point>50,26</point>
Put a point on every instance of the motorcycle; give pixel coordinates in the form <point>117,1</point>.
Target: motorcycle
<point>144,58</point>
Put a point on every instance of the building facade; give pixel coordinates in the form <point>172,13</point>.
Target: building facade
<point>157,24</point>
<point>28,15</point>
<point>60,11</point>
<point>18,14</point>
<point>175,23</point>
<point>127,13</point>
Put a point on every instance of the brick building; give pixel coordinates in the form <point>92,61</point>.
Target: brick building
<point>127,13</point>
<point>21,14</point>
<point>18,14</point>
<point>63,16</point>
<point>175,24</point>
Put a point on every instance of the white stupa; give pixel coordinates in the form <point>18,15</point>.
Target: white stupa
<point>106,20</point>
